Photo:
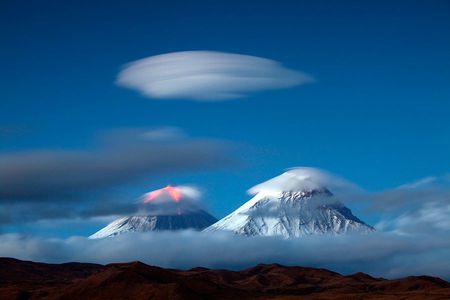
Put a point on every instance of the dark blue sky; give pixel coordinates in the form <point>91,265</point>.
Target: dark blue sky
<point>378,113</point>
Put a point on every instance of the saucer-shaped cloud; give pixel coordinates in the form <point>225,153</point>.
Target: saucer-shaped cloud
<point>303,178</point>
<point>207,75</point>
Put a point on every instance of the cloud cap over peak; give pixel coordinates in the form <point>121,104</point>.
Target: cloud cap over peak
<point>207,75</point>
<point>304,178</point>
<point>171,200</point>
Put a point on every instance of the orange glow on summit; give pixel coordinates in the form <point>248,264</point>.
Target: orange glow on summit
<point>173,192</point>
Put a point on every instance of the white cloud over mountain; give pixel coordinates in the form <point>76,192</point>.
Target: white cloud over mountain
<point>300,178</point>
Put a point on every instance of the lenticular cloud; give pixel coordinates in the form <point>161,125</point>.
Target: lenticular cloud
<point>207,76</point>
<point>301,178</point>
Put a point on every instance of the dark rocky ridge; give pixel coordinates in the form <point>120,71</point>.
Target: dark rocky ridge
<point>135,280</point>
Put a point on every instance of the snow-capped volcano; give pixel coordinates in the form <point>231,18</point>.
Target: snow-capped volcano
<point>294,204</point>
<point>169,208</point>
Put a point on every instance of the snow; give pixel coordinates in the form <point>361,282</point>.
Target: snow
<point>292,205</point>
<point>197,220</point>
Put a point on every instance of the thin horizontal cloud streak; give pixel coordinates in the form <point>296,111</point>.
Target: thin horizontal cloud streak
<point>43,175</point>
<point>411,196</point>
<point>89,205</point>
<point>83,208</point>
<point>429,218</point>
<point>207,76</point>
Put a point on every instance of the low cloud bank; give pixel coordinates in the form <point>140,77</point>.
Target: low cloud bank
<point>379,254</point>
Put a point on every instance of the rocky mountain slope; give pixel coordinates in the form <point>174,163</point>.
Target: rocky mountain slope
<point>29,280</point>
<point>196,220</point>
<point>296,205</point>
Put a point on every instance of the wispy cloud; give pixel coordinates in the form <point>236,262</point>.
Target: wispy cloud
<point>51,184</point>
<point>124,156</point>
<point>207,76</point>
<point>11,130</point>
<point>412,196</point>
<point>429,218</point>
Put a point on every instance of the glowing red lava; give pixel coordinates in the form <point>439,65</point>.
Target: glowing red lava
<point>173,193</point>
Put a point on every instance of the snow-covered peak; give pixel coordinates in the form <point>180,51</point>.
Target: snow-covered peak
<point>293,204</point>
<point>167,208</point>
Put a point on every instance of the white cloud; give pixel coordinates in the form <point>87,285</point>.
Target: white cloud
<point>411,196</point>
<point>71,183</point>
<point>170,200</point>
<point>207,75</point>
<point>301,178</point>
<point>429,218</point>
<point>379,254</point>
<point>423,182</point>
<point>164,134</point>
<point>125,155</point>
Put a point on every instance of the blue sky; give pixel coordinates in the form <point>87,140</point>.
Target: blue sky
<point>377,114</point>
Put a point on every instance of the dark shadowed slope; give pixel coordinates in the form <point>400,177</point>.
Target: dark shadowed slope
<point>195,220</point>
<point>29,280</point>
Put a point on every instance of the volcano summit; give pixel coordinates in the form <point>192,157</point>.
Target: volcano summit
<point>291,205</point>
<point>169,208</point>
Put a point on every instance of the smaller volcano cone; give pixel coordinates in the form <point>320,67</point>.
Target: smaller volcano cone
<point>197,220</point>
<point>169,208</point>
